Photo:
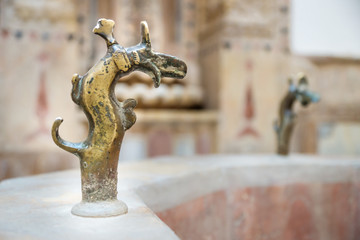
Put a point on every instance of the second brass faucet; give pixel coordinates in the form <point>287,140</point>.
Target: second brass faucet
<point>285,124</point>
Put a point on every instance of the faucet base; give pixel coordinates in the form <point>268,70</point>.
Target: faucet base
<point>100,209</point>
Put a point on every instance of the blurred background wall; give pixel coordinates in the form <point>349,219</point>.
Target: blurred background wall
<point>239,53</point>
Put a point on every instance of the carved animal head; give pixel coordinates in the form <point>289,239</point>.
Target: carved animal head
<point>142,56</point>
<point>303,95</point>
<point>156,65</point>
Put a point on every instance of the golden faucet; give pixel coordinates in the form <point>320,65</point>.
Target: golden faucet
<point>108,118</point>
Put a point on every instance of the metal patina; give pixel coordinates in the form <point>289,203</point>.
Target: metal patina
<point>287,117</point>
<point>108,118</point>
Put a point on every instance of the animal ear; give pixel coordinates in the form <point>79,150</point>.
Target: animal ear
<point>145,35</point>
<point>302,78</point>
<point>303,82</point>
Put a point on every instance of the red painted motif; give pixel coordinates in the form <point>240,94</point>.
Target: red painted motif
<point>41,109</point>
<point>249,112</point>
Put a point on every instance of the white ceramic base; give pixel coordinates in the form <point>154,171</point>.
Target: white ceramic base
<point>100,209</point>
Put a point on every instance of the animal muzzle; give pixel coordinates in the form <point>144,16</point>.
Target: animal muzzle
<point>162,65</point>
<point>307,97</point>
<point>170,66</point>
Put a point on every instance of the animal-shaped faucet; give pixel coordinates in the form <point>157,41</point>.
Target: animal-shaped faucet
<point>108,118</point>
<point>287,117</point>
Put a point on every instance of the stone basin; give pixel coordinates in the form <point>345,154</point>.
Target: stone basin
<point>202,197</point>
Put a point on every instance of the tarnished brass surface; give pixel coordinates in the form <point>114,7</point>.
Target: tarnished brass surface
<point>287,117</point>
<point>108,118</point>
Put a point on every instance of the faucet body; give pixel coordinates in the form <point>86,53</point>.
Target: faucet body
<point>108,118</point>
<point>287,118</point>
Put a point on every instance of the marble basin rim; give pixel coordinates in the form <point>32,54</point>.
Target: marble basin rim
<point>41,204</point>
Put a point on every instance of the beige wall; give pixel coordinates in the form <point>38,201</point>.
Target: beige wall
<point>238,58</point>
